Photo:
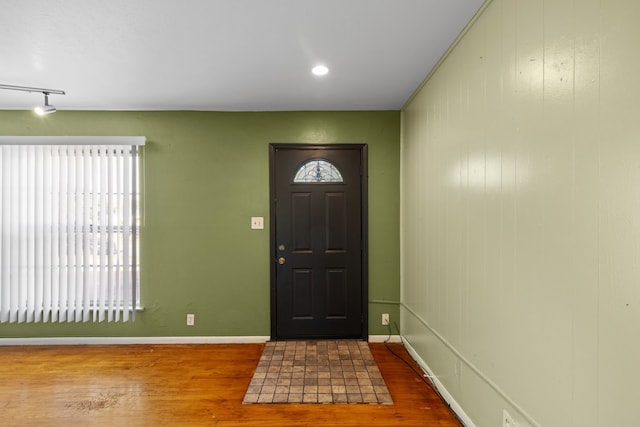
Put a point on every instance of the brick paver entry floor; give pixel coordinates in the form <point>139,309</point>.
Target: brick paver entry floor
<point>327,371</point>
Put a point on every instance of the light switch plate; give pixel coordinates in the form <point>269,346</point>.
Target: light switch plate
<point>257,223</point>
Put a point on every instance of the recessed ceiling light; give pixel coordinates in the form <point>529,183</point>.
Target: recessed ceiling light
<point>320,70</point>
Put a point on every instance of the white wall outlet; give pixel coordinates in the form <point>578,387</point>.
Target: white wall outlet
<point>257,223</point>
<point>507,420</point>
<point>191,319</point>
<point>385,319</point>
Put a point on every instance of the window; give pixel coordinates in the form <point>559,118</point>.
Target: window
<point>69,229</point>
<point>317,170</point>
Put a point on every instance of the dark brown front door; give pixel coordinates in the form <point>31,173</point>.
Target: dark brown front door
<point>318,199</point>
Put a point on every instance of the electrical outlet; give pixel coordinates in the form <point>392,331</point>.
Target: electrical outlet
<point>385,319</point>
<point>191,319</point>
<point>507,420</point>
<point>257,223</point>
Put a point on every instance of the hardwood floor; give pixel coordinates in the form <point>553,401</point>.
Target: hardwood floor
<point>185,385</point>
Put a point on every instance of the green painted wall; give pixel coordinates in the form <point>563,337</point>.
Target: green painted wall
<point>206,174</point>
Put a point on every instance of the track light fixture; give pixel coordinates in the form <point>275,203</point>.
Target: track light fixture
<point>40,110</point>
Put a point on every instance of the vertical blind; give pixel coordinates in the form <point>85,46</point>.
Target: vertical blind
<point>69,229</point>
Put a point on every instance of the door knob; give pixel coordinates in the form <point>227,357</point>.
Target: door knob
<point>281,260</point>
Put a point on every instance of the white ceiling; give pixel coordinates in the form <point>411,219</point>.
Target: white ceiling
<point>224,55</point>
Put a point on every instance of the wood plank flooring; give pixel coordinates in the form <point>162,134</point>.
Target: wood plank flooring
<point>185,385</point>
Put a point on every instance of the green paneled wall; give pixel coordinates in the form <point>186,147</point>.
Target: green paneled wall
<point>206,174</point>
<point>520,162</point>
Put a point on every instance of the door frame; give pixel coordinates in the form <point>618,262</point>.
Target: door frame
<point>364,224</point>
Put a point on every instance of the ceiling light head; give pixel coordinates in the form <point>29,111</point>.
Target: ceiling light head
<point>46,108</point>
<point>320,70</point>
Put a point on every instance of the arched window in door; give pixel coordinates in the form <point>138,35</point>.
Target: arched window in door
<point>317,170</point>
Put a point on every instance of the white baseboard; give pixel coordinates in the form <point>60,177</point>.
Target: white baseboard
<point>383,338</point>
<point>134,340</point>
<point>160,340</point>
<point>440,387</point>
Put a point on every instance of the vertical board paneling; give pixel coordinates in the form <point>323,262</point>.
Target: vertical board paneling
<point>521,214</point>
<point>556,179</point>
<point>584,232</point>
<point>529,249</point>
<point>619,221</point>
<point>587,193</point>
